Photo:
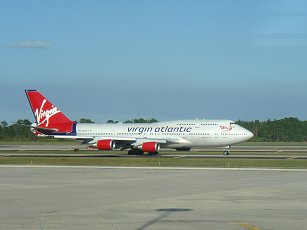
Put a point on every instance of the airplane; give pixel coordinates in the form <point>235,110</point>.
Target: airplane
<point>137,138</point>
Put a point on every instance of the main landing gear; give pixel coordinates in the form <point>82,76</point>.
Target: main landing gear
<point>139,152</point>
<point>136,152</point>
<point>226,150</point>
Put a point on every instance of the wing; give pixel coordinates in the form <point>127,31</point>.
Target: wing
<point>131,140</point>
<point>124,142</point>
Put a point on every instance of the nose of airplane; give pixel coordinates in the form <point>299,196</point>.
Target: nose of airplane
<point>250,135</point>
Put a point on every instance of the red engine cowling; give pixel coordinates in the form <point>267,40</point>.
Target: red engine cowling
<point>105,145</point>
<point>150,147</point>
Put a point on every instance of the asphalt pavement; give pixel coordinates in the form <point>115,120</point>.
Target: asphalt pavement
<point>149,198</point>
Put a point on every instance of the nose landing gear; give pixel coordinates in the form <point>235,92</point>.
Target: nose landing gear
<point>226,150</point>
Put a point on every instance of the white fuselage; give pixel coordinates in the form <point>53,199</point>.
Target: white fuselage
<point>178,134</point>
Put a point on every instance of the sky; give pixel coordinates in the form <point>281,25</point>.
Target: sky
<point>166,59</point>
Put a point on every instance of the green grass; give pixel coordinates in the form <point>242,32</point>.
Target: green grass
<point>273,144</point>
<point>155,162</point>
<point>180,153</point>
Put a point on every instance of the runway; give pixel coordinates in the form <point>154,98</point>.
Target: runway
<point>259,149</point>
<point>161,155</point>
<point>237,152</point>
<point>151,198</point>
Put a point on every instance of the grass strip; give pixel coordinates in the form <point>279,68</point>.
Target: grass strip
<point>180,153</point>
<point>156,162</point>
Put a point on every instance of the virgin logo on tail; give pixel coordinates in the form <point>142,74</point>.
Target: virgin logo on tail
<point>48,115</point>
<point>43,116</point>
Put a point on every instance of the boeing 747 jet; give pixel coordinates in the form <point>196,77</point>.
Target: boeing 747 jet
<point>136,138</point>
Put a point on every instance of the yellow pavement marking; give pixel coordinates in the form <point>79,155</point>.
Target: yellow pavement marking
<point>249,227</point>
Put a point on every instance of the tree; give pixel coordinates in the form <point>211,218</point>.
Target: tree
<point>4,130</point>
<point>21,129</point>
<point>141,120</point>
<point>23,122</point>
<point>287,129</point>
<point>4,124</point>
<point>86,120</point>
<point>305,130</point>
<point>112,122</point>
<point>18,130</point>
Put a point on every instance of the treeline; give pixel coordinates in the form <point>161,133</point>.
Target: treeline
<point>136,120</point>
<point>20,130</point>
<point>286,130</point>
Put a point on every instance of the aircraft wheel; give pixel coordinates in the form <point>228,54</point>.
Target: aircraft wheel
<point>153,153</point>
<point>136,152</point>
<point>226,153</point>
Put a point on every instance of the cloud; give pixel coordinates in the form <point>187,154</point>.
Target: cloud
<point>32,44</point>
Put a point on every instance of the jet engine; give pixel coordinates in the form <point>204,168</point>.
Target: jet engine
<point>150,147</point>
<point>105,145</point>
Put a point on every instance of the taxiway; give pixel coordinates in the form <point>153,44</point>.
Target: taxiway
<point>151,198</point>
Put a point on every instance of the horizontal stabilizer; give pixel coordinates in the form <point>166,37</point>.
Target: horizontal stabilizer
<point>44,130</point>
<point>40,129</point>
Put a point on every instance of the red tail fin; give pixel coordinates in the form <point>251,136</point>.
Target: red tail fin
<point>47,115</point>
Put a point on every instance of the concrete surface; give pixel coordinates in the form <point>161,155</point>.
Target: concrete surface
<point>138,198</point>
<point>101,154</point>
<point>285,149</point>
